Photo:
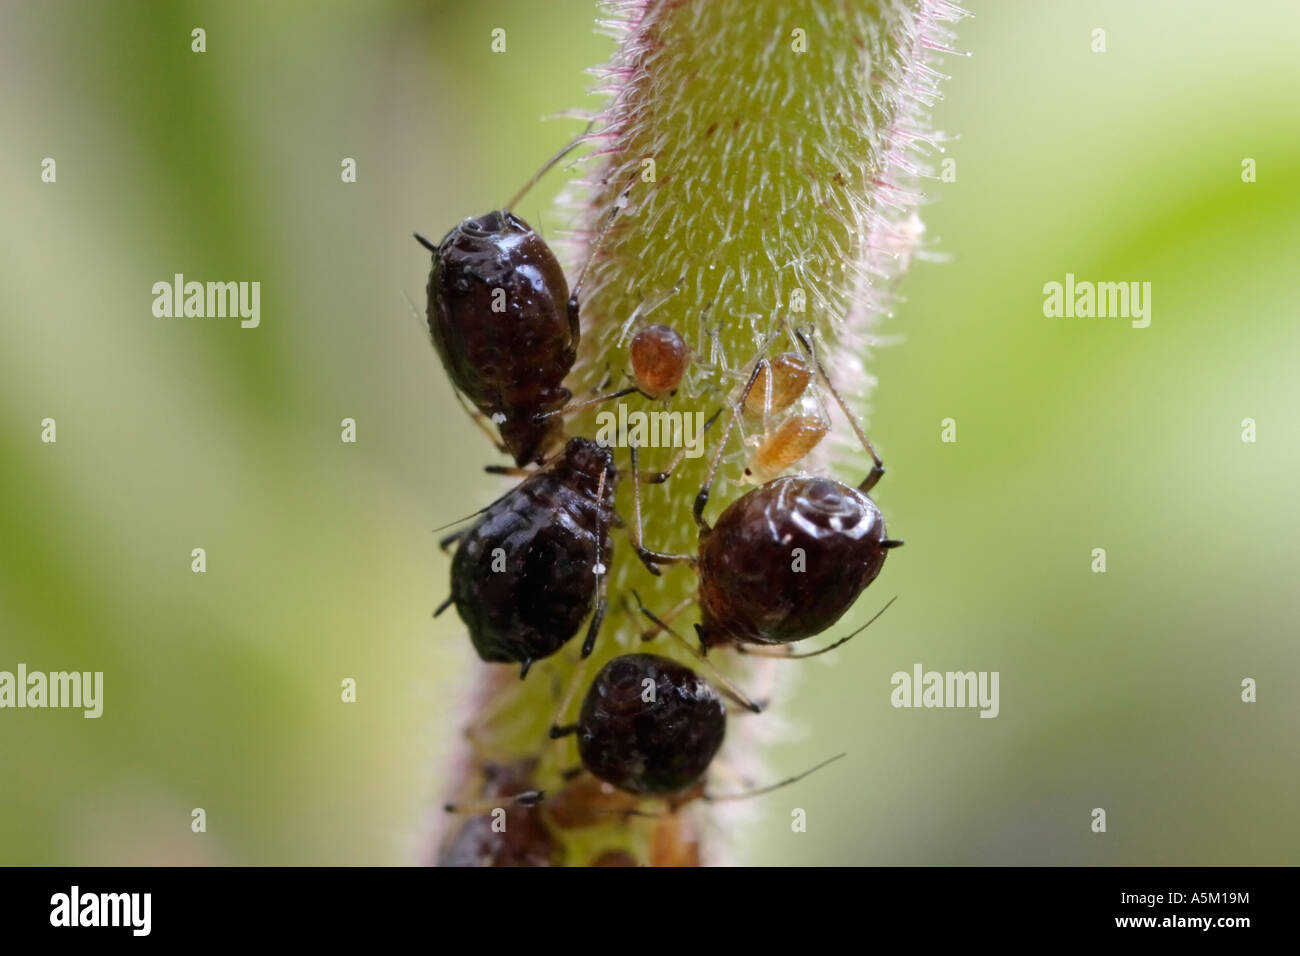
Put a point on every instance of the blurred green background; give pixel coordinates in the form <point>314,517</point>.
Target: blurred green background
<point>1118,690</point>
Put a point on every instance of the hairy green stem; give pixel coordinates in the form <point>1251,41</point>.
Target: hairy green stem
<point>756,170</point>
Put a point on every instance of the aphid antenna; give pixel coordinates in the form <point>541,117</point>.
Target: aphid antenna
<point>427,243</point>
<point>599,239</point>
<point>745,795</point>
<point>491,470</point>
<point>732,691</point>
<point>485,805</point>
<point>472,514</point>
<point>878,468</point>
<point>800,655</point>
<point>549,165</point>
<point>578,406</point>
<point>415,312</point>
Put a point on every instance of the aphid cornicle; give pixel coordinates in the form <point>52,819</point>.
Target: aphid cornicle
<point>529,569</point>
<point>650,725</point>
<point>505,326</point>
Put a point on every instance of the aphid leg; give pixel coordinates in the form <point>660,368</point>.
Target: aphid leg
<point>651,559</point>
<point>878,468</point>
<point>717,798</point>
<point>477,417</point>
<point>787,654</point>
<point>480,421</point>
<point>728,687</point>
<point>510,471</point>
<point>589,642</point>
<point>659,477</point>
<point>449,540</point>
<point>768,381</point>
<point>558,729</point>
<point>485,805</point>
<point>661,623</point>
<point>444,605</point>
<point>575,319</point>
<point>598,569</point>
<point>702,498</point>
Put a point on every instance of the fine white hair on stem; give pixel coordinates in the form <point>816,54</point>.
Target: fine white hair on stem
<point>757,166</point>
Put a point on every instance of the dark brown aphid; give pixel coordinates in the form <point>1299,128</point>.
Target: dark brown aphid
<point>504,322</point>
<point>650,725</point>
<point>529,570</point>
<point>659,359</point>
<point>787,560</point>
<point>525,841</point>
<point>505,327</point>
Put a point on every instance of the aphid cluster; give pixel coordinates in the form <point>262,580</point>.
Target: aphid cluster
<point>533,564</point>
